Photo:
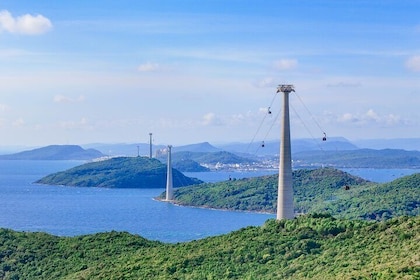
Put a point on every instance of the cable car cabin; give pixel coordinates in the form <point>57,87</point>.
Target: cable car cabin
<point>262,144</point>
<point>325,137</point>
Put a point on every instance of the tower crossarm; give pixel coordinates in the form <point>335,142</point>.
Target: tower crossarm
<point>285,88</point>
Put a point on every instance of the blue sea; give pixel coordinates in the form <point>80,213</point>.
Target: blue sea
<point>70,211</point>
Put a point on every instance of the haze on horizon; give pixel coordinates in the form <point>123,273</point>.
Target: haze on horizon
<point>83,72</point>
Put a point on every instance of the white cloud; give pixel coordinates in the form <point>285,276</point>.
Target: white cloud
<point>371,117</point>
<point>26,24</point>
<point>413,63</point>
<point>65,99</point>
<point>148,67</point>
<point>18,122</point>
<point>3,107</point>
<point>211,119</point>
<point>285,64</point>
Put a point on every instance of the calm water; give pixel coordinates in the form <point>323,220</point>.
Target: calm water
<point>73,211</point>
<point>70,211</point>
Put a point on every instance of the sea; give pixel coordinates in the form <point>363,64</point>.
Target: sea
<point>73,211</point>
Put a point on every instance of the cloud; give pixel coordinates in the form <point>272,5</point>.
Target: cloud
<point>18,122</point>
<point>65,99</point>
<point>3,107</point>
<point>371,117</point>
<point>26,24</point>
<point>148,67</point>
<point>285,64</point>
<point>211,119</point>
<point>413,63</point>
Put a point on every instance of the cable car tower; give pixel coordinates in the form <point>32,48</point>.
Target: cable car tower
<point>285,209</point>
<point>169,184</point>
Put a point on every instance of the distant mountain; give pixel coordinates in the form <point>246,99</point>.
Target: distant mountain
<point>121,172</point>
<point>331,144</point>
<point>409,144</point>
<point>361,158</point>
<point>204,147</point>
<point>55,152</point>
<point>298,145</point>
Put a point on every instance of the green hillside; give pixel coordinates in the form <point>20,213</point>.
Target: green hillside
<point>325,189</point>
<point>378,201</point>
<point>121,172</point>
<point>188,165</point>
<point>309,247</point>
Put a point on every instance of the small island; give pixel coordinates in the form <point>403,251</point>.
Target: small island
<point>120,172</point>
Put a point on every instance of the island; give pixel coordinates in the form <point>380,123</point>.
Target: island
<point>119,172</point>
<point>55,152</point>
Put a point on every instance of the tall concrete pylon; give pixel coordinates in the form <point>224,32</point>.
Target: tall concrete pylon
<point>169,185</point>
<point>150,145</point>
<point>285,209</point>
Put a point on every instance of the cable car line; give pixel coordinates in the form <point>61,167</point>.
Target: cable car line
<point>304,125</point>
<point>269,130</point>
<point>312,116</point>
<point>261,123</point>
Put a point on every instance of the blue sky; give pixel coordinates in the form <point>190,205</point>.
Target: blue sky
<point>191,71</point>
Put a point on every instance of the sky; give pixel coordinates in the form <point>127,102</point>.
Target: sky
<point>78,72</point>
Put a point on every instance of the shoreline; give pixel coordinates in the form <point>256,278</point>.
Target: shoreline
<point>173,202</point>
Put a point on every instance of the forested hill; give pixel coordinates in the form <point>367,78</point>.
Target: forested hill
<point>308,247</point>
<point>121,172</point>
<point>325,189</point>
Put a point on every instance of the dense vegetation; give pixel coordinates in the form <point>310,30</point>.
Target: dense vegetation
<point>378,201</point>
<point>188,165</point>
<point>325,189</point>
<point>121,172</point>
<point>309,247</point>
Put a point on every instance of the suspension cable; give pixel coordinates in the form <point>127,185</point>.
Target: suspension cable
<point>269,130</point>
<point>307,129</point>
<point>309,112</point>
<point>261,123</point>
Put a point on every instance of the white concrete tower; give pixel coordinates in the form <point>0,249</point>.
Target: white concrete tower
<point>150,145</point>
<point>285,208</point>
<point>169,185</point>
